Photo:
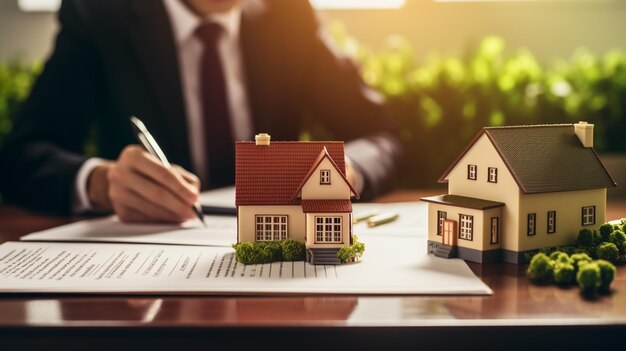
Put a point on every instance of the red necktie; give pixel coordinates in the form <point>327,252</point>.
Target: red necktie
<point>217,124</point>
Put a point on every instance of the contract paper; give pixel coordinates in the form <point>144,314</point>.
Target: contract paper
<point>220,231</point>
<point>389,266</point>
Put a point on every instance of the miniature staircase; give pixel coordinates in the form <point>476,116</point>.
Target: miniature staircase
<point>323,256</point>
<point>445,251</point>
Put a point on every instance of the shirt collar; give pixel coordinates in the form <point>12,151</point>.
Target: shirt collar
<point>185,22</point>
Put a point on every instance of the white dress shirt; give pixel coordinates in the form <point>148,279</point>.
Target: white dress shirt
<point>189,50</point>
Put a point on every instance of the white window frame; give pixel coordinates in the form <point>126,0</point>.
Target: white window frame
<point>472,172</point>
<point>495,234</point>
<point>492,176</point>
<point>441,216</point>
<point>328,230</point>
<point>325,176</point>
<point>466,227</point>
<point>532,224</point>
<point>588,215</point>
<point>271,227</point>
<point>551,222</point>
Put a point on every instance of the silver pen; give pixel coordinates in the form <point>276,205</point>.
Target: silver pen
<point>147,141</point>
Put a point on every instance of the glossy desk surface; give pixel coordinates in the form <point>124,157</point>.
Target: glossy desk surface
<point>515,303</point>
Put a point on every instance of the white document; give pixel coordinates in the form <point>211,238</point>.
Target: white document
<point>221,197</point>
<point>220,231</point>
<point>397,266</point>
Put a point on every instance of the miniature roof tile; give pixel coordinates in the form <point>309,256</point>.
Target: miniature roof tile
<point>326,206</point>
<point>270,175</point>
<point>463,201</point>
<point>544,158</point>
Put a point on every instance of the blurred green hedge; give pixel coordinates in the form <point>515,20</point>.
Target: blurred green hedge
<point>442,102</point>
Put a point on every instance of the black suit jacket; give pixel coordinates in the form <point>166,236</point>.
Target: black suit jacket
<point>117,58</point>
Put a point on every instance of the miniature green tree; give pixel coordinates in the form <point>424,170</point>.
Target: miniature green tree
<point>564,273</point>
<point>579,258</point>
<point>607,251</point>
<point>258,253</point>
<point>585,237</point>
<point>605,231</point>
<point>293,250</point>
<point>541,268</point>
<point>588,277</point>
<point>354,251</point>
<point>619,239</point>
<point>607,274</point>
<point>560,257</point>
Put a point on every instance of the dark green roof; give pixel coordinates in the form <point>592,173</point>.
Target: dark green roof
<point>463,201</point>
<point>546,158</point>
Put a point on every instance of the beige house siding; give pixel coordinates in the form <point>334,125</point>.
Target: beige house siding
<point>338,189</point>
<point>568,207</point>
<point>246,225</point>
<point>346,221</point>
<point>481,239</point>
<point>484,155</point>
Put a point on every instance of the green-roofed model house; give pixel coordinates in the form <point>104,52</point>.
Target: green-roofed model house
<point>516,189</point>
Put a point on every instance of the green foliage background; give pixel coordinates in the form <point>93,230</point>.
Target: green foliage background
<point>442,101</point>
<point>16,79</point>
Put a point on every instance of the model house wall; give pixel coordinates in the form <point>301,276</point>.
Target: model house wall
<point>247,221</point>
<point>313,188</point>
<point>484,155</point>
<point>568,207</point>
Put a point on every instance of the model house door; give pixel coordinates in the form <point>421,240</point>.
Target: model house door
<point>449,232</point>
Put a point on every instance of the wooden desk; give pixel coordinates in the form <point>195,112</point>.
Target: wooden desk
<point>519,314</point>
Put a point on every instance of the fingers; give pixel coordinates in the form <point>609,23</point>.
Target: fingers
<point>188,176</point>
<point>141,189</point>
<point>136,158</point>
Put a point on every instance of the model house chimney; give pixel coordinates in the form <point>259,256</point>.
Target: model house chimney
<point>262,139</point>
<point>584,132</point>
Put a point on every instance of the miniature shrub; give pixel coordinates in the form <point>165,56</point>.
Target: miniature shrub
<point>619,239</point>
<point>607,274</point>
<point>560,257</point>
<point>605,231</point>
<point>564,273</point>
<point>354,251</point>
<point>541,268</point>
<point>607,251</point>
<point>585,237</point>
<point>588,277</point>
<point>579,257</point>
<point>269,251</point>
<point>597,238</point>
<point>293,250</point>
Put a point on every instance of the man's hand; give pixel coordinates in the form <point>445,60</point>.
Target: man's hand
<point>138,188</point>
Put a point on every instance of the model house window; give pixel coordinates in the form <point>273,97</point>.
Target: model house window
<point>532,224</point>
<point>495,229</point>
<point>589,215</point>
<point>325,176</point>
<point>493,175</point>
<point>467,227</point>
<point>441,216</point>
<point>271,228</point>
<point>551,222</point>
<point>328,230</point>
<point>471,172</point>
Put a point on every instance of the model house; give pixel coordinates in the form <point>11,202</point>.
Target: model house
<point>294,190</point>
<point>516,189</point>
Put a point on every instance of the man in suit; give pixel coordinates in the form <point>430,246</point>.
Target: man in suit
<point>201,74</point>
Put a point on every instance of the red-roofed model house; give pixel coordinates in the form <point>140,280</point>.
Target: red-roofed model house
<point>294,190</point>
<point>517,189</point>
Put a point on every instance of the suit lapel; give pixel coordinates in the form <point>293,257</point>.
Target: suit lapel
<point>152,39</point>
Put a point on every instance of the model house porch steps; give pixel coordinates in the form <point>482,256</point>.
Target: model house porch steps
<point>445,251</point>
<point>323,256</point>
